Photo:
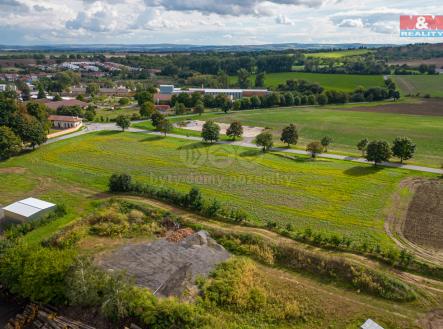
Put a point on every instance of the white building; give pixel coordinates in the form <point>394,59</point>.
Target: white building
<point>232,93</point>
<point>27,209</point>
<point>64,121</point>
<point>370,324</point>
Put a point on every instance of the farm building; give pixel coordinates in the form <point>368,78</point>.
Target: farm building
<point>27,209</point>
<point>370,324</point>
<point>64,121</point>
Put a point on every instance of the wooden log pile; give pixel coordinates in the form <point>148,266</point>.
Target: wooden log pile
<point>36,317</point>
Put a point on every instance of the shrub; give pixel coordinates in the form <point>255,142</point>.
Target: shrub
<point>120,183</point>
<point>36,273</point>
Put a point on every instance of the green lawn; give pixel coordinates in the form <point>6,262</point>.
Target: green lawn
<point>110,114</point>
<point>325,195</point>
<point>423,84</point>
<point>339,54</point>
<point>348,127</point>
<point>343,82</point>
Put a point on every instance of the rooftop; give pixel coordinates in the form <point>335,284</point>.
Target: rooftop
<point>28,207</point>
<point>64,118</point>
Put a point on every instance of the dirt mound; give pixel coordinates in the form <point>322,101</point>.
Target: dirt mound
<point>433,320</point>
<point>424,218</point>
<point>179,235</point>
<point>168,268</point>
<point>197,125</point>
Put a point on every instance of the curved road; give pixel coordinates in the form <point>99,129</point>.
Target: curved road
<point>246,143</point>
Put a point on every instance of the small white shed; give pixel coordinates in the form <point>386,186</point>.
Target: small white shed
<point>370,324</point>
<point>27,209</point>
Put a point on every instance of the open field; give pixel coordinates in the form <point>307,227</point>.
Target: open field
<point>423,84</point>
<point>343,82</point>
<point>327,196</point>
<point>437,61</point>
<point>347,125</point>
<point>339,54</point>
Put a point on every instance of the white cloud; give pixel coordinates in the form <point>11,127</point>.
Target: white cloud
<point>284,20</point>
<point>351,22</point>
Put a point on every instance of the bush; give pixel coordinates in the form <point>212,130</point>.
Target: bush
<point>120,183</point>
<point>36,273</point>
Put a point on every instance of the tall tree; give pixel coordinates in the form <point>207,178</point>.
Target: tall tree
<point>378,151</point>
<point>403,148</point>
<point>41,93</point>
<point>235,130</point>
<point>243,78</point>
<point>10,143</point>
<point>314,148</point>
<point>146,109</point>
<point>156,118</point>
<point>199,107</point>
<point>165,126</point>
<point>123,122</point>
<point>289,135</point>
<point>265,140</point>
<point>362,145</point>
<point>210,131</point>
<point>260,79</point>
<point>92,89</point>
<point>325,142</point>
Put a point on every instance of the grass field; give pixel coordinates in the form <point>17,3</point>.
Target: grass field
<point>423,84</point>
<point>343,82</point>
<point>339,54</point>
<point>325,195</point>
<point>345,127</point>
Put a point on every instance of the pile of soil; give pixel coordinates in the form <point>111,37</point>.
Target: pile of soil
<point>167,268</point>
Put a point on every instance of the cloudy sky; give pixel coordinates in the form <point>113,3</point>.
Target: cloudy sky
<point>206,22</point>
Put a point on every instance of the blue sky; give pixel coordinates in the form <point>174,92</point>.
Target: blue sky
<point>215,22</point>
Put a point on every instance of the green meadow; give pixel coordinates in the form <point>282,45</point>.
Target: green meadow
<point>423,84</point>
<point>334,197</point>
<point>345,127</point>
<point>339,54</point>
<point>342,82</point>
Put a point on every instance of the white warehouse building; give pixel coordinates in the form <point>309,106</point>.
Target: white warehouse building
<point>232,93</point>
<point>27,209</point>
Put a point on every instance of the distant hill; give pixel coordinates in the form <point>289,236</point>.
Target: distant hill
<point>160,48</point>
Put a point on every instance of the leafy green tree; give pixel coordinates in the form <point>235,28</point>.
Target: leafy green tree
<point>165,126</point>
<point>123,122</point>
<point>156,118</point>
<point>243,78</point>
<point>210,131</point>
<point>362,145</point>
<point>235,130</point>
<point>289,135</point>
<point>180,108</point>
<point>255,102</point>
<point>260,79</point>
<point>403,148</point>
<point>92,89</point>
<point>199,107</point>
<point>265,140</point>
<point>237,105</point>
<point>325,142</point>
<point>30,130</point>
<point>146,109</point>
<point>123,101</point>
<point>378,151</point>
<point>314,148</point>
<point>289,99</point>
<point>143,96</point>
<point>41,93</point>
<point>10,143</point>
<point>57,98</point>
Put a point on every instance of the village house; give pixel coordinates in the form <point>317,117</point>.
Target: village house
<point>64,121</point>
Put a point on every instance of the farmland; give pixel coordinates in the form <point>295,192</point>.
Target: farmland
<point>347,125</point>
<point>342,82</point>
<point>326,196</point>
<point>420,84</point>
<point>339,54</point>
